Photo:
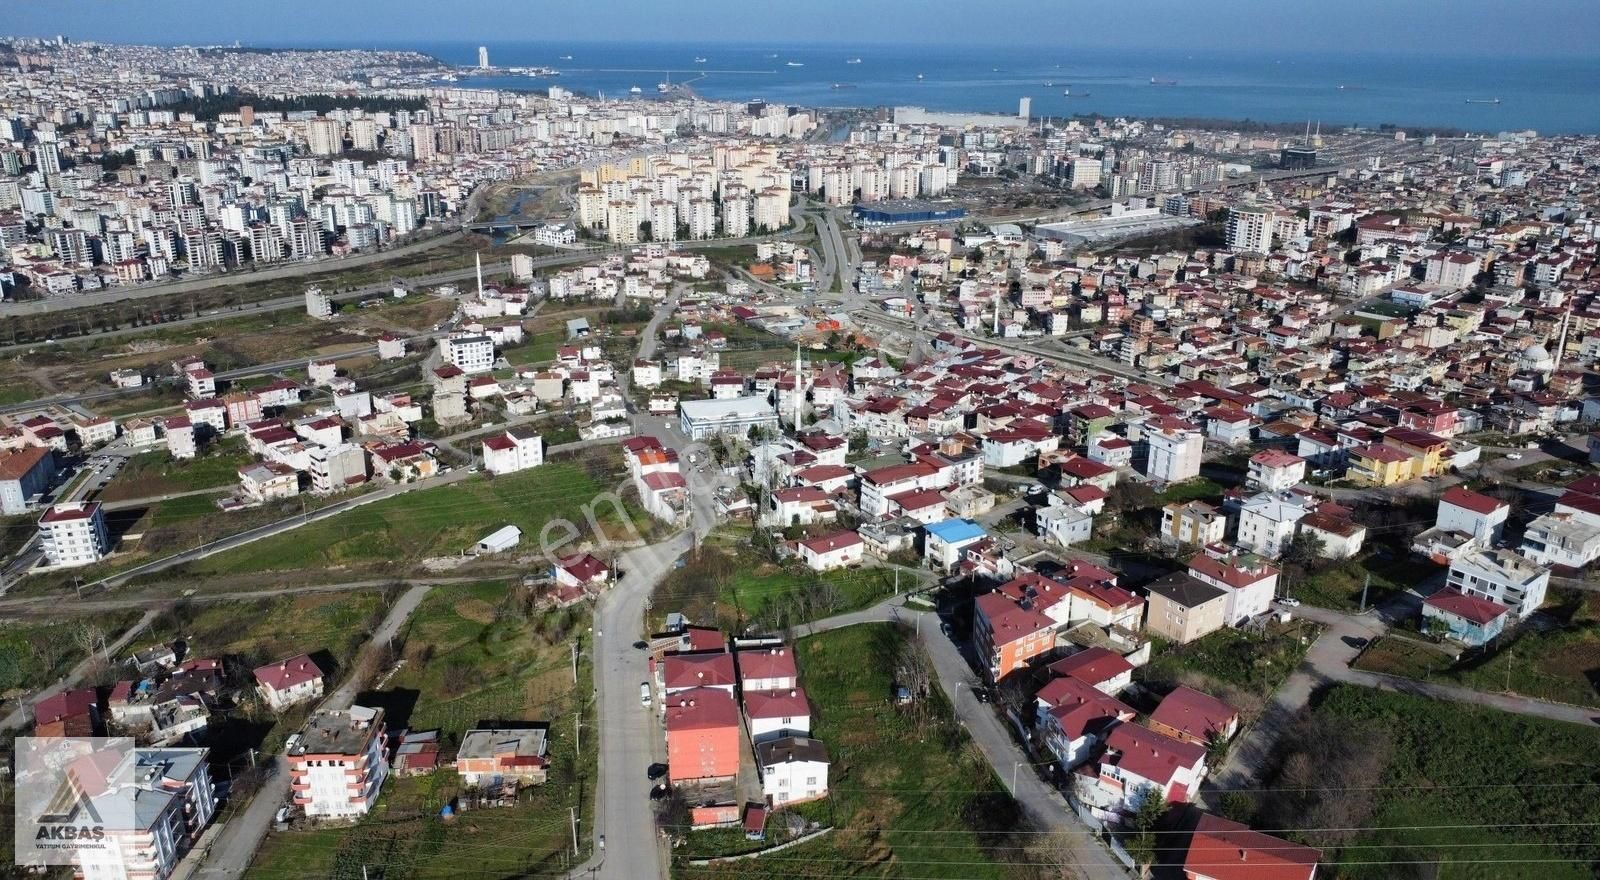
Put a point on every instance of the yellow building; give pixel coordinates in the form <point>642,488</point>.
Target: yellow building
<point>1182,608</point>
<point>1379,465</point>
<point>1426,450</point>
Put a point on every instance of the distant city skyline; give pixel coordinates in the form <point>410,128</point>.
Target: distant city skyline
<point>1424,27</point>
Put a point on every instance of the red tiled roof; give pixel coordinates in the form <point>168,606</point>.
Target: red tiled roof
<point>791,703</point>
<point>1453,601</point>
<point>830,542</point>
<point>776,662</point>
<point>286,674</point>
<point>1194,713</point>
<point>1151,755</point>
<point>701,708</point>
<point>697,670</point>
<point>1222,849</point>
<point>1467,499</point>
<point>1081,709</point>
<point>1093,666</point>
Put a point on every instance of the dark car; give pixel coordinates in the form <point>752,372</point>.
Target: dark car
<point>659,791</point>
<point>655,771</point>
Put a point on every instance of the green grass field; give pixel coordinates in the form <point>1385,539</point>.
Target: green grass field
<point>1240,667</point>
<point>731,582</point>
<point>156,473</point>
<point>519,669</point>
<point>395,533</point>
<point>1490,795</point>
<point>34,653</point>
<point>910,795</point>
<point>273,628</point>
<point>1338,586</point>
<point>1199,488</point>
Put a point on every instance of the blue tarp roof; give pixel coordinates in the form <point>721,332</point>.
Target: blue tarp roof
<point>954,531</point>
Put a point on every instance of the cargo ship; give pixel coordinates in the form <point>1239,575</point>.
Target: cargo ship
<point>1483,100</point>
<point>1162,82</point>
<point>853,61</point>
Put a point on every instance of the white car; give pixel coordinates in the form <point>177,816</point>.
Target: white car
<point>1513,456</point>
<point>1289,602</point>
<point>644,694</point>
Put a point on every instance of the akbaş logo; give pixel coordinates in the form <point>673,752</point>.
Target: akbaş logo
<point>79,821</point>
<point>73,794</point>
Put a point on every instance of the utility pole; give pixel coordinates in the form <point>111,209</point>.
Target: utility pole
<point>574,661</point>
<point>1364,588</point>
<point>574,830</point>
<point>577,731</point>
<point>897,581</point>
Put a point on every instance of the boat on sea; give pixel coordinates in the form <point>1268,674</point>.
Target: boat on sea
<point>1049,85</point>
<point>636,91</point>
<point>838,86</point>
<point>852,61</point>
<point>797,64</point>
<point>1483,100</point>
<point>919,76</point>
<point>1162,82</point>
<point>566,58</point>
<point>699,61</point>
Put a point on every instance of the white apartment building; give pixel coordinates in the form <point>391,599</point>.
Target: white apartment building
<point>1267,522</point>
<point>168,798</point>
<point>338,762</point>
<point>1175,451</point>
<point>472,354</point>
<point>73,533</point>
<point>1504,576</point>
<point>335,468</point>
<point>1250,229</point>
<point>1561,539</point>
<point>517,449</point>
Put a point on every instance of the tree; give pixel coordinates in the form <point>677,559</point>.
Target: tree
<point>1304,550</point>
<point>646,231</point>
<point>1141,844</point>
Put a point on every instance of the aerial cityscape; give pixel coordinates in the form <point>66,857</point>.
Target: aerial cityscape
<point>728,443</point>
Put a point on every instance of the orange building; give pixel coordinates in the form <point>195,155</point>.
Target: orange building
<point>702,735</point>
<point>1008,634</point>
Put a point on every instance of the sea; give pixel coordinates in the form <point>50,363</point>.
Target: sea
<point>1548,95</point>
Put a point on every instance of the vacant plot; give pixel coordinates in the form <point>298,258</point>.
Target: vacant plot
<point>331,625</point>
<point>34,653</point>
<point>473,653</point>
<point>1461,793</point>
<point>1199,488</point>
<point>1339,585</point>
<point>396,533</point>
<point>731,582</point>
<point>150,474</point>
<point>1239,666</point>
<point>1560,663</point>
<point>910,796</point>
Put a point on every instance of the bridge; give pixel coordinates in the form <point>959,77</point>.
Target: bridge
<point>505,224</point>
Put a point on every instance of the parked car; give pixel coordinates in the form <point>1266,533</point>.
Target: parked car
<point>644,694</point>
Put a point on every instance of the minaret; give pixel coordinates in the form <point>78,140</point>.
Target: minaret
<point>996,330</point>
<point>799,389</point>
<point>478,261</point>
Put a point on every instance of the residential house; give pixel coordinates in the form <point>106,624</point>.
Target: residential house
<point>338,762</point>
<point>289,682</point>
<point>945,541</point>
<point>1100,668</point>
<point>1248,580</point>
<point>1471,620</point>
<point>774,714</point>
<point>703,738</point>
<point>1008,634</point>
<point>1268,521</point>
<point>1181,608</point>
<point>1138,762</point>
<point>1072,719</point>
<point>1192,716</point>
<point>488,756</point>
<point>1504,576</point>
<point>794,769</point>
<point>1193,523</point>
<point>833,550</point>
<point>1222,849</point>
<point>1275,470</point>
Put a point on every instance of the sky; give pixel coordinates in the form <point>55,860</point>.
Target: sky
<point>1492,28</point>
